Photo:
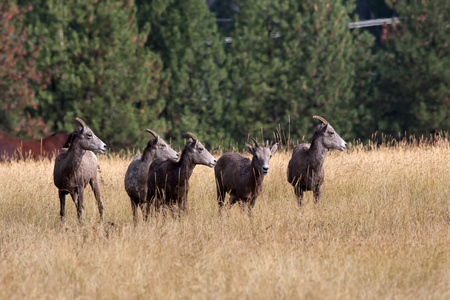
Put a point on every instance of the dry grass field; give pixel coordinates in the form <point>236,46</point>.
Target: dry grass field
<point>382,231</point>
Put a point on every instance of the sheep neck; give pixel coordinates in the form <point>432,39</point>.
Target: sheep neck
<point>317,153</point>
<point>148,154</point>
<point>74,157</point>
<point>257,175</point>
<point>185,166</point>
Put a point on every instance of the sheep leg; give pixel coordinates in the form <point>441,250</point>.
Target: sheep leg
<point>145,209</point>
<point>150,207</point>
<point>96,189</point>
<point>80,207</point>
<point>220,196</point>
<point>252,202</point>
<point>156,202</point>
<point>62,202</point>
<point>134,210</point>
<point>182,205</point>
<point>317,194</point>
<point>142,201</point>
<point>233,200</point>
<point>299,193</point>
<point>245,206</point>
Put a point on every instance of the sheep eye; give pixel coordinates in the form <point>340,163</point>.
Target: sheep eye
<point>200,149</point>
<point>163,146</point>
<point>332,133</point>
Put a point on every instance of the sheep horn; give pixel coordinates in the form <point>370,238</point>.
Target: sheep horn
<point>192,136</point>
<point>321,120</point>
<point>254,141</point>
<point>81,122</point>
<point>152,132</point>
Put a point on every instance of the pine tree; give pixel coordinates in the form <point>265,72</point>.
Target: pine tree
<point>411,93</point>
<point>291,60</point>
<point>100,70</point>
<point>193,56</point>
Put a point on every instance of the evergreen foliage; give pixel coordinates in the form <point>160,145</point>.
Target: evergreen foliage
<point>292,60</point>
<point>193,56</point>
<point>100,70</point>
<point>124,66</point>
<point>411,91</point>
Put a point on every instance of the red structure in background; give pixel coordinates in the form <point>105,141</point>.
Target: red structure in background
<point>12,148</point>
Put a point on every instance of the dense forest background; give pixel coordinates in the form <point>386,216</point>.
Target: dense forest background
<point>223,70</point>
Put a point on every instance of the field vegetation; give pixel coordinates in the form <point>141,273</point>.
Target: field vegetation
<point>382,231</point>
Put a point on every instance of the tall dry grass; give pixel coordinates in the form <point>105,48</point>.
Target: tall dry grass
<point>381,231</point>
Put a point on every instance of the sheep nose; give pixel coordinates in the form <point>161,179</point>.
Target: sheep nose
<point>265,169</point>
<point>214,161</point>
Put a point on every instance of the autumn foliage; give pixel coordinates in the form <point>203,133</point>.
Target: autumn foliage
<point>18,73</point>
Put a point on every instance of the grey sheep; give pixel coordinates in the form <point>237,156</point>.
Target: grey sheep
<point>168,181</point>
<point>137,173</point>
<point>305,170</point>
<point>241,177</point>
<point>76,166</point>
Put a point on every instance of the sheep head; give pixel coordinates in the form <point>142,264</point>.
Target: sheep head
<point>330,138</point>
<point>198,152</point>
<point>159,147</point>
<point>261,155</point>
<point>86,139</point>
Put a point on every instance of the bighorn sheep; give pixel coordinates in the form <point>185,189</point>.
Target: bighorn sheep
<point>305,170</point>
<point>241,177</point>
<point>76,166</point>
<point>137,173</point>
<point>168,181</point>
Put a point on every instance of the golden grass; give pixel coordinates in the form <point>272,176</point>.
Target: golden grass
<point>382,231</point>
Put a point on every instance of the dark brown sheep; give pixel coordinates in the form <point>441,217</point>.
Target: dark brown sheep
<point>241,177</point>
<point>305,170</point>
<point>76,166</point>
<point>136,176</point>
<point>168,181</point>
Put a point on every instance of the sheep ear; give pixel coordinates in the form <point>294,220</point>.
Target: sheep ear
<point>249,149</point>
<point>324,128</point>
<point>154,141</point>
<point>68,141</point>
<point>274,148</point>
<point>194,138</point>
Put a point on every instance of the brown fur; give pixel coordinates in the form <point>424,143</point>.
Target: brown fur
<point>76,166</point>
<point>305,170</point>
<point>241,177</point>
<point>137,173</point>
<point>168,181</point>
